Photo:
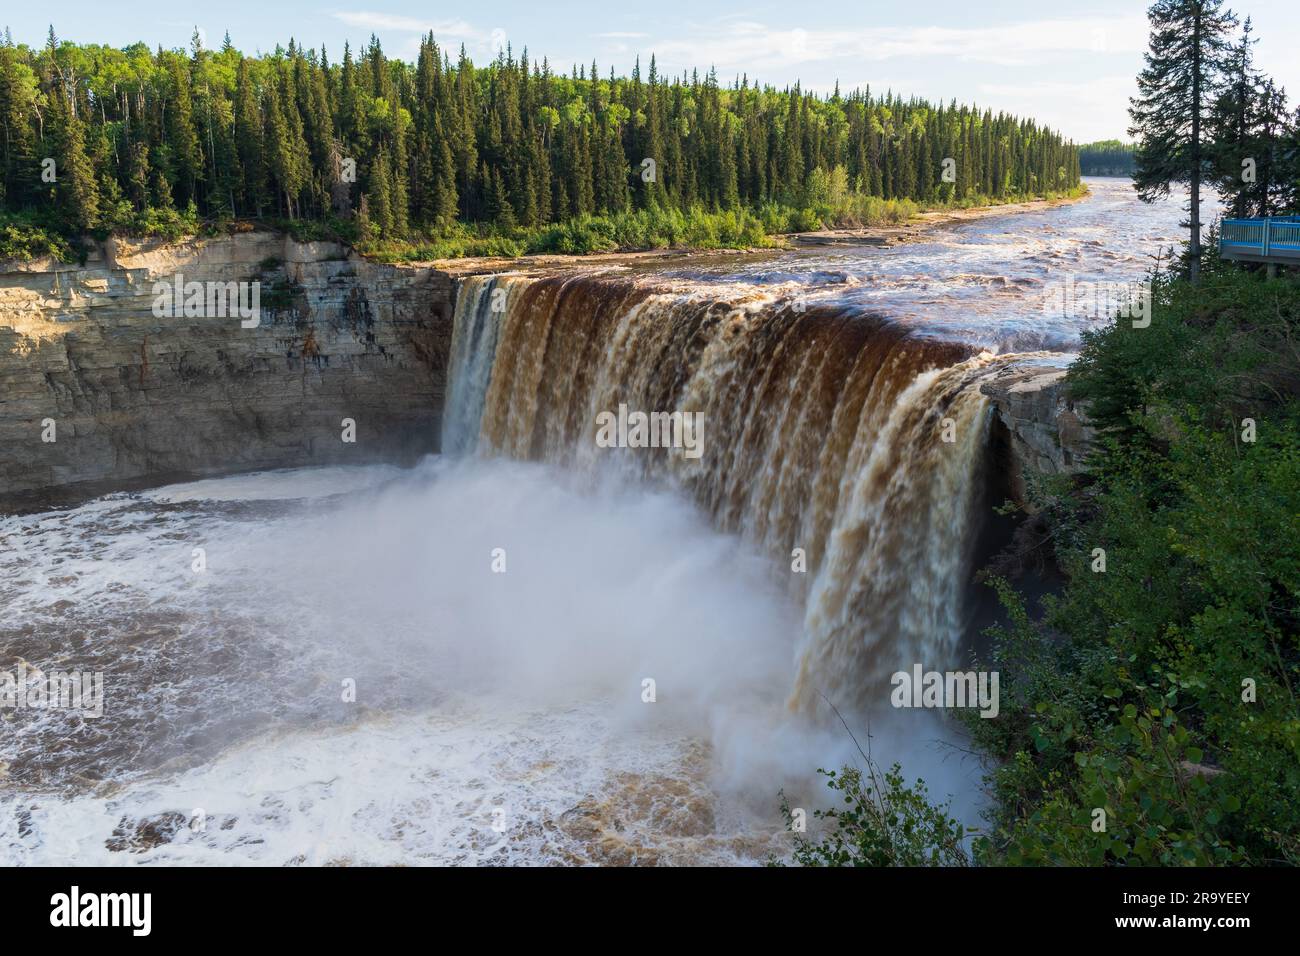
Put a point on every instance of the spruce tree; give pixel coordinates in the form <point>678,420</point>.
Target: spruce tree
<point>1274,158</point>
<point>138,181</point>
<point>288,161</point>
<point>1184,66</point>
<point>251,194</point>
<point>18,91</point>
<point>182,138</point>
<point>444,202</point>
<point>381,194</point>
<point>1232,124</point>
<point>76,193</point>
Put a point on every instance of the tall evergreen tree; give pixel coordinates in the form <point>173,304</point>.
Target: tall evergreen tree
<point>286,148</point>
<point>249,127</point>
<point>77,191</point>
<point>1183,71</point>
<point>1274,158</point>
<point>1232,124</point>
<point>18,92</point>
<point>182,137</point>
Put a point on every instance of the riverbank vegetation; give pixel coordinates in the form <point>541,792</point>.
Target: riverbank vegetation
<point>449,157</point>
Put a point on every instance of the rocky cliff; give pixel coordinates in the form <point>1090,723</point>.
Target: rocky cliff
<point>96,386</point>
<point>1041,429</point>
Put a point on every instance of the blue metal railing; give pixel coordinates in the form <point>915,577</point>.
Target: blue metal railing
<point>1276,237</point>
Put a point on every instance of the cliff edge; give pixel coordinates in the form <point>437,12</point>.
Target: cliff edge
<point>100,381</point>
<point>1041,429</point>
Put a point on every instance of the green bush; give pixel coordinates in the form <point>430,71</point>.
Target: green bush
<point>164,223</point>
<point>883,822</point>
<point>455,246</point>
<point>577,237</point>
<point>24,237</point>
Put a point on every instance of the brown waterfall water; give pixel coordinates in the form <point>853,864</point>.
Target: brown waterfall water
<point>826,430</point>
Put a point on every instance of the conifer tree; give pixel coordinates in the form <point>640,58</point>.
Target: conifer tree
<point>139,173</point>
<point>18,91</point>
<point>1184,66</point>
<point>182,138</point>
<point>251,194</point>
<point>1232,124</point>
<point>76,193</point>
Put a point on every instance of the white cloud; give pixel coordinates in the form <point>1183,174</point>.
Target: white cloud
<point>748,45</point>
<point>1085,110</point>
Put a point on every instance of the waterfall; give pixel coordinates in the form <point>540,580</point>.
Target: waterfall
<point>473,347</point>
<point>825,430</point>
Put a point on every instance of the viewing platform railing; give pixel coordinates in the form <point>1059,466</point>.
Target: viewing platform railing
<point>1275,239</point>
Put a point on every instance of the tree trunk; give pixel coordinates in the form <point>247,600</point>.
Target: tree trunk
<point>1194,267</point>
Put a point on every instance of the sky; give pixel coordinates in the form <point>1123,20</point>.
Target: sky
<point>1071,67</point>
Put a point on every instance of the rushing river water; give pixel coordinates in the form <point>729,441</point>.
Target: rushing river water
<point>450,663</point>
<point>982,282</point>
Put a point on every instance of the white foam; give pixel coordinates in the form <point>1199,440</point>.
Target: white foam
<point>474,690</point>
<point>279,484</point>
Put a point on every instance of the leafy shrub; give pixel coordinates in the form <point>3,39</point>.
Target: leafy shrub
<point>883,822</point>
<point>24,238</point>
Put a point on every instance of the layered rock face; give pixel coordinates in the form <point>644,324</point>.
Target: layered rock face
<point>96,386</point>
<point>1045,431</point>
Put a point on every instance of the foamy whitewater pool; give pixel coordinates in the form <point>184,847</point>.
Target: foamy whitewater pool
<point>498,717</point>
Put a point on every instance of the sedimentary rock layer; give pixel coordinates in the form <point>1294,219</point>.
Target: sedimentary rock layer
<point>132,394</point>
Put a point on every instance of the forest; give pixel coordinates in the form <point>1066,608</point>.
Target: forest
<point>385,153</point>
<point>1108,157</point>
